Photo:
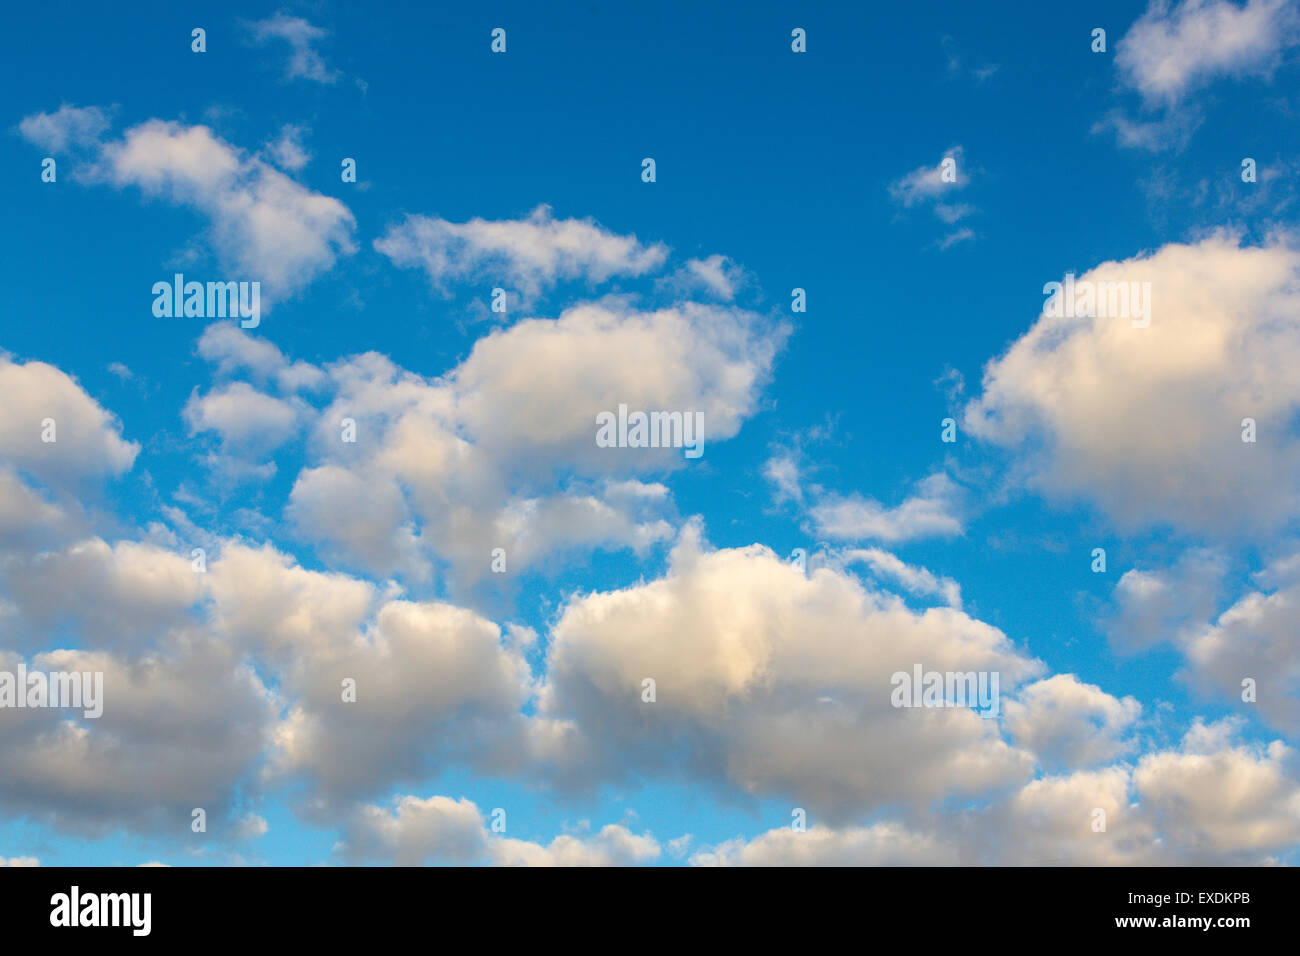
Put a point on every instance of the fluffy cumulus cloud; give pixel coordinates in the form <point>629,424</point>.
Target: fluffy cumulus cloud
<point>1250,654</point>
<point>1146,420</point>
<point>243,417</point>
<point>502,451</point>
<point>1212,800</point>
<point>1068,723</point>
<point>1155,605</point>
<point>1176,47</point>
<point>158,750</point>
<point>532,253</point>
<point>378,689</point>
<point>265,226</point>
<point>442,830</point>
<point>129,593</point>
<point>772,682</point>
<point>53,430</point>
<point>350,676</point>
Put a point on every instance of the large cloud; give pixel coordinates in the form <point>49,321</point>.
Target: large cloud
<point>1147,422</point>
<point>770,682</point>
<point>1211,801</point>
<point>181,727</point>
<point>502,452</point>
<point>433,683</point>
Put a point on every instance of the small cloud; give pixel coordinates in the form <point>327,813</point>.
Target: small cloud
<point>961,235</point>
<point>288,151</point>
<point>68,127</point>
<point>926,183</point>
<point>305,62</point>
<point>252,827</point>
<point>959,66</point>
<point>931,185</point>
<point>717,275</point>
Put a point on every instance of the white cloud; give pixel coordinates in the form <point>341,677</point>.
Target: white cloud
<point>87,439</point>
<point>783,472</point>
<point>501,451</point>
<point>128,594</point>
<point>66,128</point>
<point>233,350</point>
<point>1152,607</point>
<point>915,579</point>
<point>1211,801</point>
<point>1175,48</point>
<point>265,225</point>
<point>770,682</point>
<point>885,844</point>
<point>246,420</point>
<point>366,518</point>
<point>532,253</point>
<point>288,151</point>
<point>442,830</point>
<point>926,184</point>
<point>717,276</point>
<point>1216,799</point>
<point>158,750</point>
<point>305,61</point>
<point>252,827</point>
<point>434,684</point>
<point>1255,638</point>
<point>931,186</point>
<point>930,512</point>
<point>1068,723</point>
<point>1147,422</point>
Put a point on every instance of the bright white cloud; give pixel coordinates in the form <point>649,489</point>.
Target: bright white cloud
<point>930,512</point>
<point>264,225</point>
<point>773,682</point>
<point>55,431</point>
<point>1147,421</point>
<point>532,254</point>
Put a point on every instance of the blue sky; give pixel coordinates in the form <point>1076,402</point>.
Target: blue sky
<point>775,170</point>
